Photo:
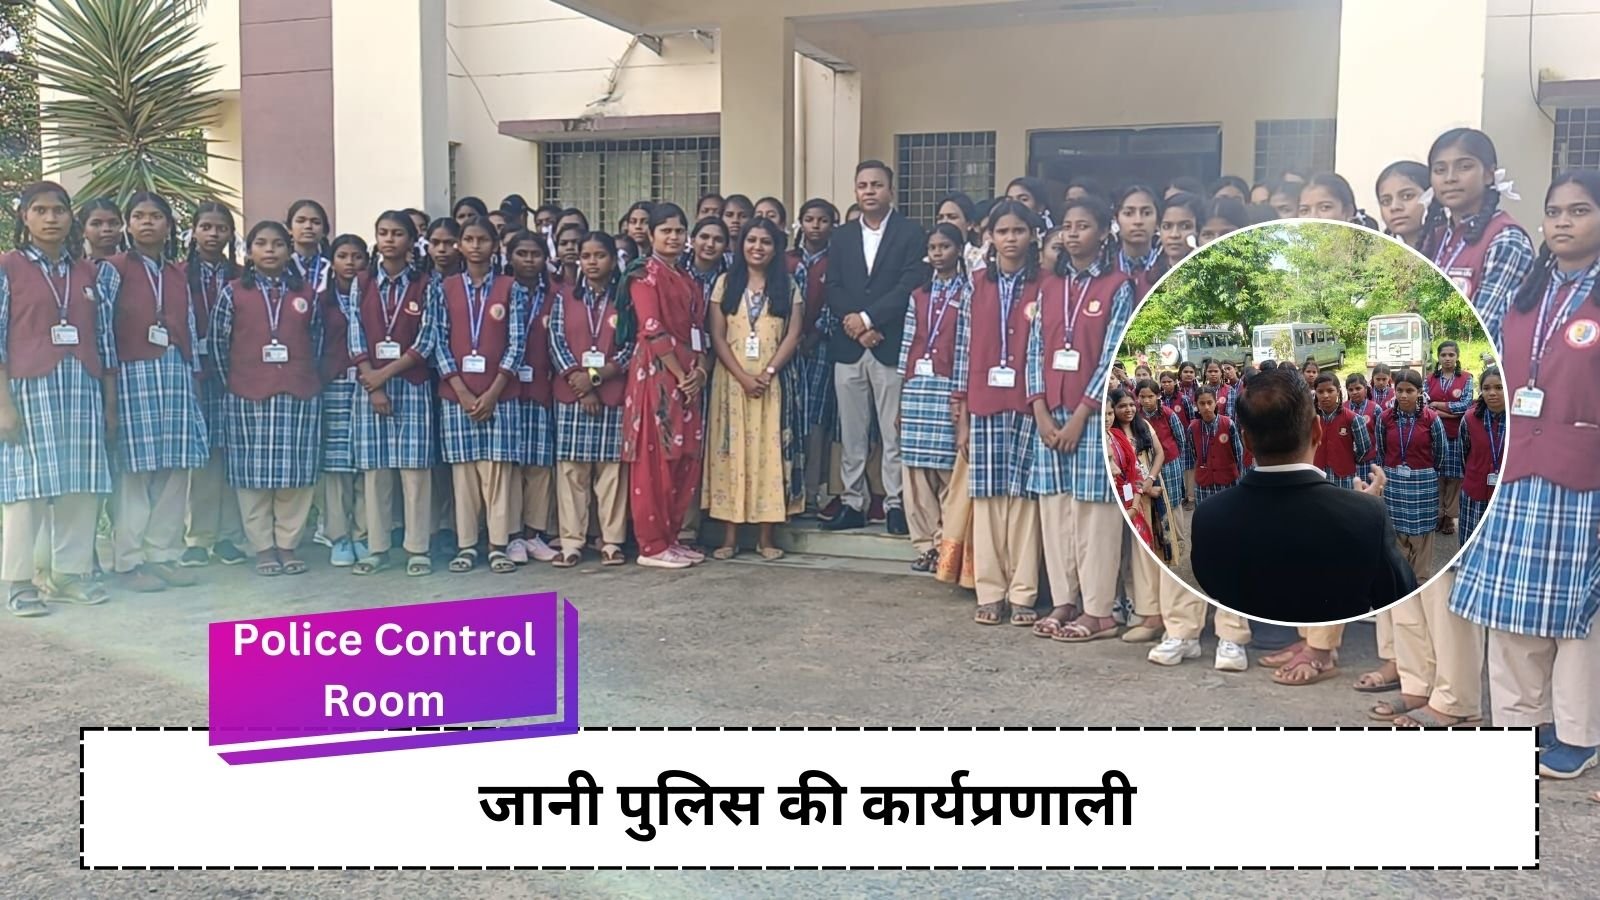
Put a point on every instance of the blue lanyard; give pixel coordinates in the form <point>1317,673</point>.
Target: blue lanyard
<point>62,297</point>
<point>802,272</point>
<point>1405,436</point>
<point>313,270</point>
<point>1066,302</point>
<point>536,307</point>
<point>1009,286</point>
<point>755,303</point>
<point>157,283</point>
<point>1547,325</point>
<point>938,305</point>
<point>1494,445</point>
<point>1208,432</point>
<point>475,318</point>
<point>594,313</point>
<point>395,289</point>
<point>274,307</point>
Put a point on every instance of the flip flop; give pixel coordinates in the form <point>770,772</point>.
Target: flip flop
<point>1387,710</point>
<point>611,555</point>
<point>1320,672</point>
<point>1382,687</point>
<point>565,561</point>
<point>773,554</point>
<point>1426,717</point>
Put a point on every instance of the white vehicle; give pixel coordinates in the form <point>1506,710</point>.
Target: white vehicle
<point>1306,340</point>
<point>1195,344</point>
<point>1399,340</point>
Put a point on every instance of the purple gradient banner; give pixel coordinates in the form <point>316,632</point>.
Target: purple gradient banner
<point>427,666</point>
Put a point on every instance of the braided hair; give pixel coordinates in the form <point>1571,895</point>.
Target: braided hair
<point>291,275</point>
<point>516,239</point>
<point>952,234</point>
<point>1007,207</point>
<point>1196,208</point>
<point>1538,281</point>
<point>327,225</point>
<point>402,219</point>
<point>169,248</point>
<point>1480,407</point>
<point>330,294</point>
<point>1099,210</point>
<point>1416,173</point>
<point>450,227</point>
<point>230,263</point>
<point>20,236</point>
<point>98,204</point>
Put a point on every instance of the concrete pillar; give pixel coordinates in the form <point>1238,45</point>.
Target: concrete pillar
<point>1389,51</point>
<point>286,105</point>
<point>390,116</point>
<point>758,104</point>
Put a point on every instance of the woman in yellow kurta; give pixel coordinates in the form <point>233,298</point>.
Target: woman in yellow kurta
<point>755,330</point>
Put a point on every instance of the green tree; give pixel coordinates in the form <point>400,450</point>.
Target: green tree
<point>19,110</point>
<point>1233,283</point>
<point>131,78</point>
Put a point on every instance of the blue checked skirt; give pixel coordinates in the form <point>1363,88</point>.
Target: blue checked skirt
<point>338,401</point>
<point>405,440</point>
<point>538,435</point>
<point>998,455</point>
<point>581,437</point>
<point>1348,484</point>
<point>1471,515</point>
<point>1172,474</point>
<point>816,386</point>
<point>497,440</point>
<point>1451,464</point>
<point>63,444</point>
<point>213,398</point>
<point>160,425</point>
<point>1413,500</point>
<point>927,436</point>
<point>1083,474</point>
<point>1203,493</point>
<point>269,443</point>
<point>1364,471</point>
<point>1535,570</point>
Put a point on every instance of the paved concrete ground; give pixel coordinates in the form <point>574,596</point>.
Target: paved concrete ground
<point>728,644</point>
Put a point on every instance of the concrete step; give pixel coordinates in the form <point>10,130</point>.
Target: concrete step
<point>805,537</point>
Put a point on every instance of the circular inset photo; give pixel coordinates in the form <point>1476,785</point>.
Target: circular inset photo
<point>1306,422</point>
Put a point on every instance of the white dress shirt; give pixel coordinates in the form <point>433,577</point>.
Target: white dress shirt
<point>871,240</point>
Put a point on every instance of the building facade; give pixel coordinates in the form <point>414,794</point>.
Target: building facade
<point>369,104</point>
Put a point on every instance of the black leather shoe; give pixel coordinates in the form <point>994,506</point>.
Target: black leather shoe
<point>897,522</point>
<point>847,520</point>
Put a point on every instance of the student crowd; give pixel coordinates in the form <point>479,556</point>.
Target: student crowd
<point>520,384</point>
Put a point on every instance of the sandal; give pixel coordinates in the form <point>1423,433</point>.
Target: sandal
<point>500,563</point>
<point>372,565</point>
<point>1387,710</point>
<point>611,555</point>
<point>1280,658</point>
<point>1427,717</point>
<point>989,613</point>
<point>1050,625</point>
<point>1373,683</point>
<point>1447,525</point>
<point>1142,634</point>
<point>466,558</point>
<point>1024,616</point>
<point>565,560</point>
<point>419,565</point>
<point>71,589</point>
<point>294,567</point>
<point>1320,671</point>
<point>269,568</point>
<point>1075,632</point>
<point>25,603</point>
<point>725,553</point>
<point>773,554</point>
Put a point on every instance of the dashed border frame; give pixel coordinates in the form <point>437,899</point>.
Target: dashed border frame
<point>82,829</point>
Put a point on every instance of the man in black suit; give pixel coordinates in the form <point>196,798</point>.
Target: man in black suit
<point>874,263</point>
<point>1309,551</point>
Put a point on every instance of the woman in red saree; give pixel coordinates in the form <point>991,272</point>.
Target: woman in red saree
<point>1127,476</point>
<point>663,415</point>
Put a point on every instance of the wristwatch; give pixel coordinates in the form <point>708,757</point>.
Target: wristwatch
<point>594,376</point>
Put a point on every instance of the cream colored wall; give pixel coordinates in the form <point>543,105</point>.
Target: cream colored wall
<point>1566,34</point>
<point>535,59</point>
<point>828,116</point>
<point>1384,45</point>
<point>227,142</point>
<point>1269,65</point>
<point>219,27</point>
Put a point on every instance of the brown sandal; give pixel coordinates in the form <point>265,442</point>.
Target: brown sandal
<point>989,613</point>
<point>1320,671</point>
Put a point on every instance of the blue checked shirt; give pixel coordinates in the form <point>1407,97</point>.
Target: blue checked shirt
<point>1204,433</point>
<point>909,336</point>
<point>1458,406</point>
<point>1435,435</point>
<point>427,341</point>
<point>1121,310</point>
<point>561,350</point>
<point>105,343</point>
<point>1361,437</point>
<point>222,325</point>
<point>1506,264</point>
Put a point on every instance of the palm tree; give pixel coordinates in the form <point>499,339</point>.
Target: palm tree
<point>130,108</point>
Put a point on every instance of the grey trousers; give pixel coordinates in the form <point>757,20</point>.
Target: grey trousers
<point>864,387</point>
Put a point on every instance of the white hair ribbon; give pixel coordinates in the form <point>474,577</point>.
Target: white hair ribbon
<point>1192,241</point>
<point>1505,186</point>
<point>1426,199</point>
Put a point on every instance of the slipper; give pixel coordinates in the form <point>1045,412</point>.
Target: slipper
<point>1075,633</point>
<point>372,565</point>
<point>565,561</point>
<point>294,567</point>
<point>989,613</point>
<point>500,563</point>
<point>611,555</point>
<point>1141,634</point>
<point>269,567</point>
<point>419,565</point>
<point>1024,616</point>
<point>1375,687</point>
<point>725,553</point>
<point>465,560</point>
<point>1320,671</point>
<point>1426,717</point>
<point>1387,710</point>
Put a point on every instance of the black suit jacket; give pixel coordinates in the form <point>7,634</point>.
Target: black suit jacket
<point>896,272</point>
<point>1293,547</point>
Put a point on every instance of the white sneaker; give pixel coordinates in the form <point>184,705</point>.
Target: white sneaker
<point>317,537</point>
<point>517,550</point>
<point>539,550</point>
<point>667,560</point>
<point>1231,657</point>
<point>1172,651</point>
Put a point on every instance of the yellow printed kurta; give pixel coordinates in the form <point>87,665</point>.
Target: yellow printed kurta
<point>745,469</point>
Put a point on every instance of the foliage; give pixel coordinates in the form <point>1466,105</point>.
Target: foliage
<point>19,110</point>
<point>1309,272</point>
<point>130,76</point>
